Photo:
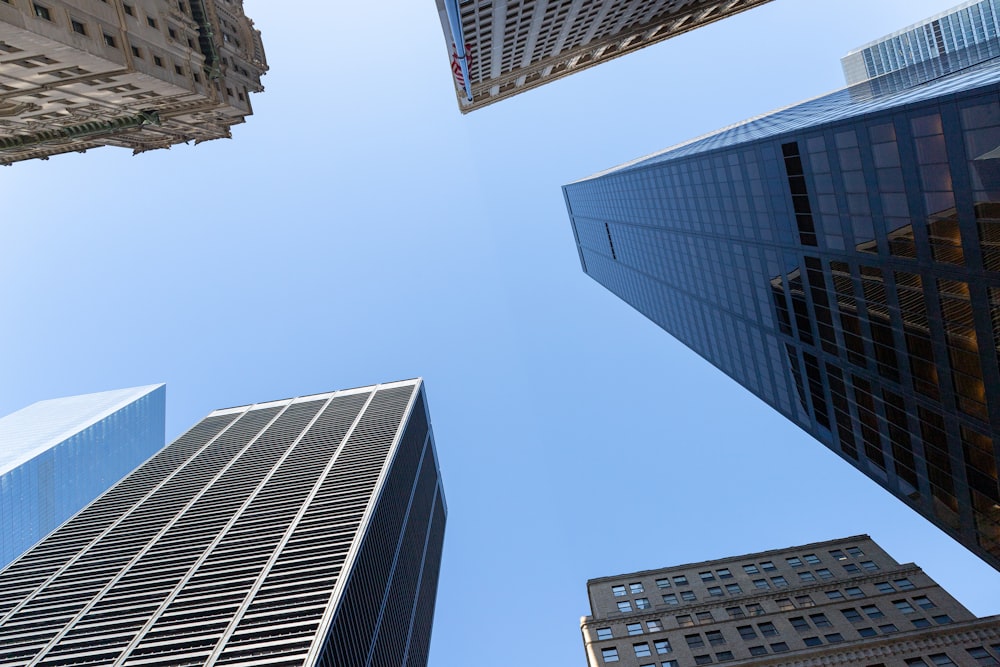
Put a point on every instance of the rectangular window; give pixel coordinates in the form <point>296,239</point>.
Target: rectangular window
<point>812,559</point>
<point>109,40</point>
<point>794,561</point>
<point>904,606</point>
<point>670,598</point>
<point>851,568</point>
<point>704,617</point>
<point>807,576</point>
<point>642,650</point>
<point>755,609</point>
<point>609,654</point>
<point>835,595</point>
<point>888,628</point>
<point>838,554</point>
<point>942,619</point>
<point>824,573</point>
<point>680,580</point>
<point>746,632</point>
<point>635,589</point>
<point>663,583</point>
<point>767,629</point>
<point>706,576</point>
<point>804,601</point>
<point>820,620</point>
<point>634,629</point>
<point>903,584</point>
<point>78,27</point>
<point>715,591</point>
<point>715,637</point>
<point>869,565</point>
<point>758,650</point>
<point>654,626</point>
<point>780,647</point>
<point>150,21</point>
<point>619,591</point>
<point>751,569</point>
<point>735,612</point>
<point>799,623</point>
<point>812,641</point>
<point>982,656</point>
<point>867,632</point>
<point>942,660</point>
<point>42,12</point>
<point>642,603</point>
<point>761,583</point>
<point>921,623</point>
<point>854,592</point>
<point>834,637</point>
<point>852,615</point>
<point>724,573</point>
<point>855,551</point>
<point>688,596</point>
<point>724,656</point>
<point>872,611</point>
<point>784,604</point>
<point>662,646</point>
<point>694,641</point>
<point>733,589</point>
<point>924,602</point>
<point>704,659</point>
<point>603,633</point>
<point>779,582</point>
<point>768,566</point>
<point>625,606</point>
<point>685,621</point>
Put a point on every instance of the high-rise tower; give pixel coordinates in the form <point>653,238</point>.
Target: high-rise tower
<point>305,531</point>
<point>58,455</point>
<point>139,74</point>
<point>842,602</point>
<point>841,260</point>
<point>500,48</point>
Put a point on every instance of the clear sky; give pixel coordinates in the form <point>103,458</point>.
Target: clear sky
<point>359,229</point>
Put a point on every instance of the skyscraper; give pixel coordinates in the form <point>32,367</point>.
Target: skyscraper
<point>305,531</point>
<point>139,74</point>
<point>58,455</point>
<point>499,48</point>
<point>842,602</point>
<point>841,260</point>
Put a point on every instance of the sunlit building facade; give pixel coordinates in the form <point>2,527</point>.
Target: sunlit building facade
<point>56,456</point>
<point>138,74</point>
<point>304,531</point>
<point>841,260</point>
<point>841,602</point>
<point>499,48</point>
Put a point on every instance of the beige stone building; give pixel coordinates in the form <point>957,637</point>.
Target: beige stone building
<point>511,46</point>
<point>843,602</point>
<point>140,74</point>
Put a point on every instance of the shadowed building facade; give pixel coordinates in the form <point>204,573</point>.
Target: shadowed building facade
<point>841,260</point>
<point>56,456</point>
<point>139,74</point>
<point>305,531</point>
<point>504,47</point>
<point>842,602</point>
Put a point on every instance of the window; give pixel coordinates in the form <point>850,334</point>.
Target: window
<point>942,660</point>
<point>704,659</point>
<point>855,551</point>
<point>872,611</point>
<point>812,559</point>
<point>680,580</point>
<point>835,595</point>
<point>603,633</point>
<point>685,621</point>
<point>129,10</point>
<point>942,619</point>
<point>609,654</point>
<point>723,656</point>
<point>804,601</point>
<point>755,609</point>
<point>869,565</point>
<point>888,628</point>
<point>768,566</point>
<point>724,573</point>
<point>751,569</point>
<point>761,583</point>
<point>758,650</point>
<point>654,626</point>
<point>921,623</point>
<point>867,632</point>
<point>915,662</point>
<point>820,620</point>
<point>852,615</point>
<point>688,596</point>
<point>834,637</point>
<point>784,604</point>
<point>780,647</point>
<point>625,606</point>
<point>884,587</point>
<point>619,591</point>
<point>171,32</point>
<point>669,598</point>
<point>635,589</point>
<point>733,589</point>
<point>838,554</point>
<point>694,641</point>
<point>779,582</point>
<point>704,617</point>
<point>642,650</point>
<point>794,561</point>
<point>42,12</point>
<point>715,637</point>
<point>150,21</point>
<point>634,629</point>
<point>904,606</point>
<point>746,632</point>
<point>109,40</point>
<point>662,646</point>
<point>78,26</point>
<point>706,576</point>
<point>854,592</point>
<point>136,52</point>
<point>642,603</point>
<point>799,623</point>
<point>824,573</point>
<point>668,663</point>
<point>179,70</point>
<point>903,584</point>
<point>735,612</point>
<point>663,583</point>
<point>851,568</point>
<point>767,629</point>
<point>807,576</point>
<point>924,602</point>
<point>982,656</point>
<point>812,641</point>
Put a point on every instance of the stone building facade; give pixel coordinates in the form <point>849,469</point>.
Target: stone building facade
<point>842,602</point>
<point>139,74</point>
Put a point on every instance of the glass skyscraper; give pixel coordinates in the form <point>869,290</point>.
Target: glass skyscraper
<point>304,531</point>
<point>840,259</point>
<point>58,455</point>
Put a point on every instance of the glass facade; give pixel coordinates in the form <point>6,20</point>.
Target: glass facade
<point>57,456</point>
<point>840,259</point>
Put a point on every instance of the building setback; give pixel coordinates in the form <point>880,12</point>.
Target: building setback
<point>305,531</point>
<point>58,455</point>
<point>842,602</point>
<point>139,74</point>
<point>510,46</point>
<point>841,260</point>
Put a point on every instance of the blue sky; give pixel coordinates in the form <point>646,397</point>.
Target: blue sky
<point>359,229</point>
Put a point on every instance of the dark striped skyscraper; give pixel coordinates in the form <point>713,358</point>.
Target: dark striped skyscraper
<point>305,531</point>
<point>841,260</point>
